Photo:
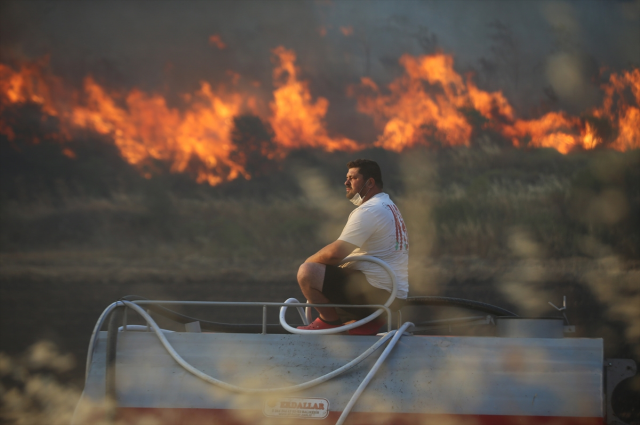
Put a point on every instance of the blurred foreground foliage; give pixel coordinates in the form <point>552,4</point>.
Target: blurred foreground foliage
<point>31,392</point>
<point>487,201</point>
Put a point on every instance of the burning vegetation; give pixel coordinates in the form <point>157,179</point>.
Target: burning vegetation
<point>198,139</point>
<point>430,104</point>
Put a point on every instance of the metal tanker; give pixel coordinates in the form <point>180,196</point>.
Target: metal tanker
<point>526,372</point>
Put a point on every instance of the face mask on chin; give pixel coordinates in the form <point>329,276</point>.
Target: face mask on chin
<point>357,200</point>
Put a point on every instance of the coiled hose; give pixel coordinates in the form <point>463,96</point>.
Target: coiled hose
<point>339,329</point>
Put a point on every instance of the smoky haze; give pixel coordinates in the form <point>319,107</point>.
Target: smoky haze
<point>540,54</point>
<point>83,224</point>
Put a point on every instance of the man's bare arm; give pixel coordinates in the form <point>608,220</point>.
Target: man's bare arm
<point>333,253</point>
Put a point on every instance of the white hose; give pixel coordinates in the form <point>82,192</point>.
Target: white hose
<point>172,352</point>
<point>372,372</point>
<point>339,329</point>
<point>305,314</point>
<point>329,331</point>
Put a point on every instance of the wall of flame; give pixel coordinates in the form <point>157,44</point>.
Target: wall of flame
<point>429,104</point>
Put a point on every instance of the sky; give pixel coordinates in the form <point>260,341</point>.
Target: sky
<point>534,51</point>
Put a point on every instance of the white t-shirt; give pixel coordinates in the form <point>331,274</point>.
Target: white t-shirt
<point>377,229</point>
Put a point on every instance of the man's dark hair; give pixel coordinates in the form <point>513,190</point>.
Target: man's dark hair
<point>368,169</point>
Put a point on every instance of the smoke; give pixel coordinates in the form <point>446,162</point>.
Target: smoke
<point>567,69</point>
<point>521,48</point>
<point>319,194</point>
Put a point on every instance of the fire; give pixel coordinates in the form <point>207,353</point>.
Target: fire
<point>296,119</point>
<point>148,128</point>
<point>553,130</point>
<point>427,104</point>
<point>430,104</point>
<point>30,85</point>
<point>196,138</point>
<point>617,110</point>
<point>565,133</point>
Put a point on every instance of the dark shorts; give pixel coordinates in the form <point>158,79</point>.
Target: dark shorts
<point>346,286</point>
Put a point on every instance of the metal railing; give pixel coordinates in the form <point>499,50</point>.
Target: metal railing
<point>105,314</point>
<point>264,307</point>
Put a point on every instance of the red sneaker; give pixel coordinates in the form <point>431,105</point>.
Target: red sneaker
<point>370,328</point>
<point>318,324</point>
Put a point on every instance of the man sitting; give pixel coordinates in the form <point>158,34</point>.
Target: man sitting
<point>374,228</point>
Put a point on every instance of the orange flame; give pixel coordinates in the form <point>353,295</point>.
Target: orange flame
<point>428,104</point>
<point>148,128</point>
<point>553,130</point>
<point>30,85</point>
<point>625,116</point>
<point>565,133</point>
<point>144,127</point>
<point>296,120</point>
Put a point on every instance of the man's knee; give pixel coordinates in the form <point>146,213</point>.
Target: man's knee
<point>311,275</point>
